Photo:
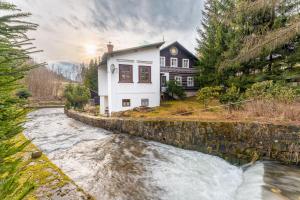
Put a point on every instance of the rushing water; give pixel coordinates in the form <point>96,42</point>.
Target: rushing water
<point>121,167</point>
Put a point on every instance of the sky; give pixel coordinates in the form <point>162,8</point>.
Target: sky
<point>78,30</point>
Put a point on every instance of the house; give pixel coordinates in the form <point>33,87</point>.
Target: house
<point>129,78</point>
<point>178,64</point>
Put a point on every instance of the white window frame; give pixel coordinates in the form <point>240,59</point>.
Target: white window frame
<point>178,80</point>
<point>171,63</point>
<point>190,81</point>
<point>188,63</point>
<point>162,64</point>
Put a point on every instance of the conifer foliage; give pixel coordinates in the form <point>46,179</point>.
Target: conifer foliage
<point>90,76</point>
<point>15,48</point>
<point>211,41</point>
<point>246,41</point>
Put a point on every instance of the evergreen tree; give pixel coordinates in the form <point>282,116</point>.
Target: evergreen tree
<point>91,76</point>
<point>247,41</point>
<point>14,64</point>
<point>265,39</point>
<point>211,41</point>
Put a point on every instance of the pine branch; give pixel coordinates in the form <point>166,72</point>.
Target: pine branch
<point>7,18</point>
<point>8,6</point>
<point>269,42</point>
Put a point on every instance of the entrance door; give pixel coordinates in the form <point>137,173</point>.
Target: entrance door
<point>163,82</point>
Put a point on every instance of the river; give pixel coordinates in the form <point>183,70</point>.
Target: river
<point>120,167</point>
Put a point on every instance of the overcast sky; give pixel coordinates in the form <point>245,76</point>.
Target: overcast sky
<point>72,30</point>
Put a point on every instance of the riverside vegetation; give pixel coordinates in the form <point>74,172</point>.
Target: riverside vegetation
<point>40,176</point>
<point>14,64</point>
<point>265,102</point>
<point>20,176</point>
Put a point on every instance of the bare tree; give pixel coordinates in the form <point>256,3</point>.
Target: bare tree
<point>45,84</point>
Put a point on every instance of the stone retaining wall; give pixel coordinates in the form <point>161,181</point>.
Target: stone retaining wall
<point>237,142</point>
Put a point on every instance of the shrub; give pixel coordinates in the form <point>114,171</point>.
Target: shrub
<point>231,97</point>
<point>259,90</point>
<point>268,90</point>
<point>77,96</point>
<point>23,94</point>
<point>175,90</point>
<point>207,94</point>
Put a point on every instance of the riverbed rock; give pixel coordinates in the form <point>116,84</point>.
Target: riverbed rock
<point>36,154</point>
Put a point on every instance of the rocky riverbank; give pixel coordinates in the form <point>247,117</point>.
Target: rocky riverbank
<point>48,181</point>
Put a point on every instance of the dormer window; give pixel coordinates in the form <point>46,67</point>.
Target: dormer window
<point>185,63</point>
<point>162,61</point>
<point>174,62</point>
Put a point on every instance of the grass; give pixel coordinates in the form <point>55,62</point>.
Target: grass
<point>188,108</point>
<point>45,177</point>
<point>191,109</point>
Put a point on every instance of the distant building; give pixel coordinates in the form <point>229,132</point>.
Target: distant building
<point>178,64</point>
<point>95,99</point>
<point>129,78</point>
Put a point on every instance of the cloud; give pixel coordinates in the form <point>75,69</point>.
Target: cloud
<point>67,26</point>
<point>163,15</point>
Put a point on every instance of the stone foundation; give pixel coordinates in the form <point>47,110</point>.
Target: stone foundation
<point>237,142</point>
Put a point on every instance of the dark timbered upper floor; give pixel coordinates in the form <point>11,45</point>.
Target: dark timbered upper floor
<point>177,57</point>
<point>179,64</point>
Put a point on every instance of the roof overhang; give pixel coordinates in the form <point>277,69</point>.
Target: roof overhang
<point>177,43</point>
<point>129,50</point>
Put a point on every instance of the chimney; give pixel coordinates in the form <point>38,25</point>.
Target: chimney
<point>110,47</point>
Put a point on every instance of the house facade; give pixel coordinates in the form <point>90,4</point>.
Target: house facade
<point>178,64</point>
<point>129,78</point>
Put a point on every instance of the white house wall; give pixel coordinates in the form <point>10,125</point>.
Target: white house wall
<point>103,84</point>
<point>134,91</point>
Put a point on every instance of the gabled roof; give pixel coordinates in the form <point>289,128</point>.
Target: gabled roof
<point>129,50</point>
<point>182,47</point>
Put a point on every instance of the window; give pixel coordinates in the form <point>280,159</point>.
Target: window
<point>178,80</point>
<point>144,74</point>
<point>174,62</point>
<point>185,63</point>
<point>190,81</point>
<point>145,102</point>
<point>162,61</point>
<point>125,74</point>
<point>126,102</point>
<point>239,74</point>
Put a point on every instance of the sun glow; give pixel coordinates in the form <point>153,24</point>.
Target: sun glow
<point>91,50</point>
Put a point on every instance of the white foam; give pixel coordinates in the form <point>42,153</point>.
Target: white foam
<point>171,173</point>
<point>251,186</point>
<point>192,175</point>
